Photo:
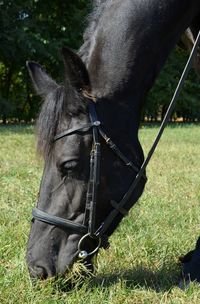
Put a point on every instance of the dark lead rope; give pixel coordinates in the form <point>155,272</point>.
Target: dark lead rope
<point>172,104</point>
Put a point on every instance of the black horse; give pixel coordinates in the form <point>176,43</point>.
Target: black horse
<point>125,46</point>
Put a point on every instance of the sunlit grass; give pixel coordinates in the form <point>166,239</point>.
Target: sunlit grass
<point>141,265</point>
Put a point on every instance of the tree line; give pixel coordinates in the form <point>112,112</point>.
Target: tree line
<point>36,30</point>
<point>187,106</point>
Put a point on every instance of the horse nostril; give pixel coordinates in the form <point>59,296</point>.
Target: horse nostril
<point>38,272</point>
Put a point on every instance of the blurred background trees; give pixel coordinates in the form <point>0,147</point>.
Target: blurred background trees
<point>36,30</point>
<point>187,106</point>
<point>33,30</point>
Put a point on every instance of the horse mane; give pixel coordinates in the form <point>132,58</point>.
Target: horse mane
<point>89,34</point>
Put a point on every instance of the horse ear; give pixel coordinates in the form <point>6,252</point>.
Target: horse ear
<point>42,82</point>
<point>75,70</point>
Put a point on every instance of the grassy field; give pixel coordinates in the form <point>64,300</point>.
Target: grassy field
<point>141,265</point>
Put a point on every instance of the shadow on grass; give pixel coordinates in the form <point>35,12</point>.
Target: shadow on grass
<point>141,277</point>
<point>135,278</point>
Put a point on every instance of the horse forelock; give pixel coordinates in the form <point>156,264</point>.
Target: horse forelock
<point>48,119</point>
<point>58,105</point>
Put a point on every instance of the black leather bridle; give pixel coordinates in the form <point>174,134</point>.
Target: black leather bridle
<point>88,228</point>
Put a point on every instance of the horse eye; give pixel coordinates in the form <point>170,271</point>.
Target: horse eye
<point>70,164</point>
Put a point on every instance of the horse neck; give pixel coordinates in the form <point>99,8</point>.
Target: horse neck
<point>118,117</point>
<point>131,43</point>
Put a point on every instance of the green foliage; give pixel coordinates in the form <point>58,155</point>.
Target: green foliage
<point>34,30</point>
<point>187,106</point>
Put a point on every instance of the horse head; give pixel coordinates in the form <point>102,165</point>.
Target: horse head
<point>78,192</point>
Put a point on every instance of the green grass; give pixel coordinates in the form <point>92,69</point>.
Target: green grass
<point>141,265</point>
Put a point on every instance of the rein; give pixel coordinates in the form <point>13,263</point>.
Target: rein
<point>88,228</point>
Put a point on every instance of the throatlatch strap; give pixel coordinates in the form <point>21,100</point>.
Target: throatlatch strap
<point>121,210</point>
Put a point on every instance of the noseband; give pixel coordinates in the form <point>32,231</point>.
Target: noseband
<point>88,228</point>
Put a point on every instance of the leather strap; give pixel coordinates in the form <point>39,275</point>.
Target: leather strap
<point>81,128</point>
<point>58,221</point>
<point>121,210</point>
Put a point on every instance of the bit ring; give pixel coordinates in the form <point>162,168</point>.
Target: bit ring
<point>83,253</point>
